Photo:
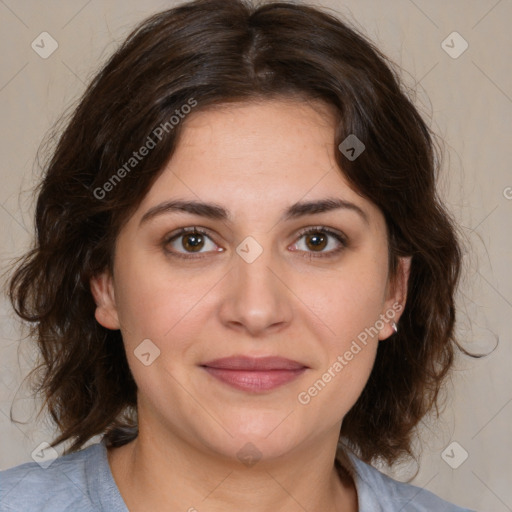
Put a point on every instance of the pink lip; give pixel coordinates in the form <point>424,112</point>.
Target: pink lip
<point>254,374</point>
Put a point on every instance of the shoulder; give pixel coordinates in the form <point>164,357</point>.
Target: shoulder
<point>379,492</point>
<point>67,483</point>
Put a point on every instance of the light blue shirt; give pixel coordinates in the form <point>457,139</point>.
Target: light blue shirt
<point>82,482</point>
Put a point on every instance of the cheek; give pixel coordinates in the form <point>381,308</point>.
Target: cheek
<point>155,303</point>
<point>346,302</point>
<point>348,307</point>
<point>348,358</point>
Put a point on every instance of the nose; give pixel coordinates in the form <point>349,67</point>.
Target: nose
<point>257,300</point>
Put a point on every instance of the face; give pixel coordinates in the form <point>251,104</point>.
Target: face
<point>296,296</point>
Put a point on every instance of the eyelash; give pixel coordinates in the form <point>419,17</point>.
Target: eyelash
<point>309,255</point>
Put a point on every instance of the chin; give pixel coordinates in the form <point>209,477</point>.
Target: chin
<point>272,436</point>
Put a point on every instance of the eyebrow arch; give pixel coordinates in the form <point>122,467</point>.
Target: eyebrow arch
<point>217,212</point>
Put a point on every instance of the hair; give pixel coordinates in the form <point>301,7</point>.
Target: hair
<point>216,52</point>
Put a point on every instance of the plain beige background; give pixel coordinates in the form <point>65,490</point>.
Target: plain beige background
<point>468,100</point>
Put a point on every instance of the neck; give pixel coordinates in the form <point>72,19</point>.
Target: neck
<point>173,475</point>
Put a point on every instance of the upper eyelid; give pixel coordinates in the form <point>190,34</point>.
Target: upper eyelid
<point>326,229</point>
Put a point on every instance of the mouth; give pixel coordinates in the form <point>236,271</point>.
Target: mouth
<point>254,374</point>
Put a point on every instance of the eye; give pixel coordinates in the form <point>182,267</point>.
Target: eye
<point>194,242</point>
<point>318,239</point>
<point>189,241</point>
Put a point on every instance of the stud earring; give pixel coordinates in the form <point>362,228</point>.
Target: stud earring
<point>395,328</point>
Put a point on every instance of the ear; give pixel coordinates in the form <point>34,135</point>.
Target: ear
<point>396,297</point>
<point>102,289</point>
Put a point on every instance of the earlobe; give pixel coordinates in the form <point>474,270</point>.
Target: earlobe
<point>395,302</point>
<point>102,289</point>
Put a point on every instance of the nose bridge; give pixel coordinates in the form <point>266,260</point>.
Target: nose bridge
<point>256,298</point>
<point>252,267</point>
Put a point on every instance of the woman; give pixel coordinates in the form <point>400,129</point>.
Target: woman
<point>243,279</point>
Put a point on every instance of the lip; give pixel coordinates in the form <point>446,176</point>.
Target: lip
<point>254,374</point>
<point>254,363</point>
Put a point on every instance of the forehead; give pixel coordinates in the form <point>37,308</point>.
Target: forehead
<point>276,129</point>
<point>240,155</point>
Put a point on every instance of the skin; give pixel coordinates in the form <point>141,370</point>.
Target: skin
<point>255,160</point>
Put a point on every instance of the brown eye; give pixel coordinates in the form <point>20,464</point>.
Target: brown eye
<point>187,241</point>
<point>320,242</point>
<point>192,242</point>
<point>316,241</point>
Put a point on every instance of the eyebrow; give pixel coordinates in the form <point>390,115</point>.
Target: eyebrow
<point>217,212</point>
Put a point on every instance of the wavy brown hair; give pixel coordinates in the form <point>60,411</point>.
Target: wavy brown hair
<point>216,52</point>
